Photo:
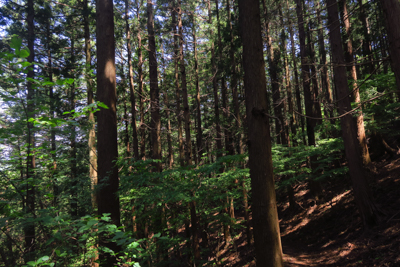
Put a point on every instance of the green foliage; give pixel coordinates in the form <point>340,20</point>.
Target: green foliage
<point>291,162</point>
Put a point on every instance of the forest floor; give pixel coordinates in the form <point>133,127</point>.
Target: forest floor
<point>329,232</point>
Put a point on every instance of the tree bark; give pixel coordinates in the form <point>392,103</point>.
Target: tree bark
<point>178,89</point>
<point>363,197</point>
<point>273,60</point>
<point>90,100</point>
<point>155,123</point>
<point>391,9</point>
<point>349,57</point>
<point>107,197</point>
<point>265,217</point>
<point>29,229</point>
<point>366,42</point>
<point>305,74</point>
<point>135,142</point>
<point>199,136</point>
<point>325,81</point>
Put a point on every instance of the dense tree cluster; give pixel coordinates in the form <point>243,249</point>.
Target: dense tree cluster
<point>132,130</point>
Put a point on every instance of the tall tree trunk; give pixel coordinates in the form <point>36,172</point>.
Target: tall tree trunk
<point>142,126</point>
<point>308,93</point>
<point>325,81</point>
<point>366,42</point>
<point>188,143</point>
<point>273,60</point>
<point>186,110</point>
<point>225,113</point>
<point>362,139</point>
<point>363,197</point>
<point>305,74</point>
<point>131,86</point>
<point>52,111</point>
<point>72,102</point>
<point>224,100</point>
<point>155,123</point>
<point>265,217</point>
<point>90,100</point>
<point>216,102</point>
<point>391,9</point>
<point>314,79</point>
<point>199,136</point>
<point>296,77</point>
<point>29,229</point>
<point>178,88</point>
<point>107,197</point>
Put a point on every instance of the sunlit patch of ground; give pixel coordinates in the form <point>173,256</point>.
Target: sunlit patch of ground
<point>331,233</point>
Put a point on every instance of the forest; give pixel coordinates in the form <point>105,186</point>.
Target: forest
<point>199,133</point>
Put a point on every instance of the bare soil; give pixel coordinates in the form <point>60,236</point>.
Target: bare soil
<point>329,231</point>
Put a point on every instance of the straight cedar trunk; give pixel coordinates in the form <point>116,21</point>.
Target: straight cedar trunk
<point>265,217</point>
<point>391,9</point>
<point>314,78</point>
<point>366,42</point>
<point>135,141</point>
<point>224,100</point>
<point>91,118</point>
<point>309,92</point>
<point>52,112</point>
<point>90,100</point>
<point>178,89</point>
<point>325,81</point>
<point>273,60</point>
<point>369,212</point>
<point>142,126</point>
<point>287,103</point>
<point>216,102</point>
<point>29,205</point>
<point>296,78</point>
<point>225,113</point>
<point>188,142</point>
<point>305,74</point>
<point>72,102</point>
<point>167,115</point>
<point>349,57</point>
<point>107,189</point>
<point>199,136</point>
<point>155,121</point>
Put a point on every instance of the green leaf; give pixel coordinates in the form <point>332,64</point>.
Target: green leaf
<point>101,104</point>
<point>69,80</point>
<point>16,42</point>
<point>24,53</point>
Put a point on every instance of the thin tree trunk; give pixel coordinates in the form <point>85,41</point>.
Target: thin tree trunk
<point>90,100</point>
<point>265,217</point>
<point>369,212</point>
<point>315,87</point>
<point>391,9</point>
<point>366,42</point>
<point>155,123</point>
<point>199,136</point>
<point>188,143</point>
<point>131,86</point>
<point>52,113</point>
<point>325,82</point>
<point>305,73</point>
<point>296,78</point>
<point>72,102</point>
<point>216,104</point>
<point>273,60</point>
<point>362,139</point>
<point>29,229</point>
<point>178,89</point>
